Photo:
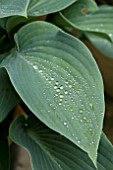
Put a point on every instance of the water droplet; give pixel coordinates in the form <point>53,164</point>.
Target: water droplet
<point>70,86</point>
<point>81,111</point>
<point>90,129</point>
<point>56,82</point>
<point>65,123</point>
<point>52,78</point>
<point>90,104</point>
<point>35,67</point>
<point>61,96</point>
<point>92,142</point>
<point>58,90</point>
<point>56,94</point>
<point>78,141</point>
<point>60,104</point>
<point>110,34</point>
<point>66,82</point>
<point>66,92</point>
<point>40,71</point>
<point>55,87</point>
<point>84,118</point>
<point>61,87</point>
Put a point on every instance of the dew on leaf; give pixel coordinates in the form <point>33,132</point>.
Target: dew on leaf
<point>40,71</point>
<point>65,123</point>
<point>52,78</point>
<point>35,67</point>
<point>110,34</point>
<point>55,87</point>
<point>78,141</point>
<point>80,110</point>
<point>61,87</point>
<point>70,86</point>
<point>57,90</point>
<point>57,83</point>
<point>61,96</point>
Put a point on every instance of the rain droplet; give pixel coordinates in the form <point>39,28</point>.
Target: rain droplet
<point>57,83</point>
<point>66,82</point>
<point>65,123</point>
<point>110,34</point>
<point>84,118</point>
<point>35,67</point>
<point>58,90</point>
<point>60,104</point>
<point>55,87</point>
<point>66,92</point>
<point>80,111</point>
<point>78,141</point>
<point>52,78</point>
<point>61,96</point>
<point>61,87</point>
<point>40,71</point>
<point>70,86</point>
<point>90,104</point>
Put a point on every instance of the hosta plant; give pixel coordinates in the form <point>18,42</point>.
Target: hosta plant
<point>47,70</point>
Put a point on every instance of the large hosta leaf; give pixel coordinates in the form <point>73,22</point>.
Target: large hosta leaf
<point>59,81</point>
<point>32,7</point>
<point>88,17</point>
<point>49,150</point>
<point>8,96</point>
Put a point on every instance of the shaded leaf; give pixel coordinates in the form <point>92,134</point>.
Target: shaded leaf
<point>50,150</point>
<point>88,17</point>
<point>31,7</point>
<point>102,42</point>
<point>8,96</point>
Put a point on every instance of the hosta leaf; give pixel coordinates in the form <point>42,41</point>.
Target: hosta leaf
<point>43,7</point>
<point>102,42</point>
<point>8,96</point>
<point>50,150</point>
<point>87,18</point>
<point>32,7</point>
<point>59,81</point>
<point>4,151</point>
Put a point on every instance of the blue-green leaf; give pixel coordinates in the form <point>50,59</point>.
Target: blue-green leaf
<point>58,79</point>
<point>89,17</point>
<point>51,151</point>
<point>32,7</point>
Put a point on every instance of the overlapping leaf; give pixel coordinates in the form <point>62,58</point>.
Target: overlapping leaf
<point>101,42</point>
<point>59,81</point>
<point>88,17</point>
<point>50,150</point>
<point>8,96</point>
<point>32,7</point>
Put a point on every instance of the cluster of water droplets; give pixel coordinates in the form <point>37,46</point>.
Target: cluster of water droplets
<point>68,97</point>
